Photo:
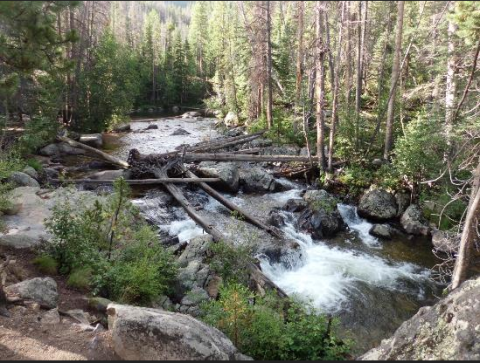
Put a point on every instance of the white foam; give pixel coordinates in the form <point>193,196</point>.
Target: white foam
<point>360,225</point>
<point>185,229</point>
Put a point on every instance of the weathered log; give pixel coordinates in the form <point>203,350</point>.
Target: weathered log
<point>138,182</point>
<point>189,157</point>
<point>105,156</point>
<point>212,192</point>
<point>254,150</point>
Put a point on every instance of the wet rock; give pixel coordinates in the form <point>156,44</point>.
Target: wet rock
<point>276,218</point>
<point>231,119</point>
<point>377,205</point>
<point>191,114</point>
<point>30,172</point>
<point>51,317</point>
<point>295,205</point>
<point>413,221</point>
<point>151,334</point>
<point>94,140</point>
<point>179,132</point>
<point>176,109</point>
<point>22,180</point>
<point>381,230</point>
<point>447,330</point>
<point>41,290</point>
<point>227,172</point>
<point>99,303</point>
<point>122,128</point>
<point>445,241</point>
<point>257,180</point>
<point>403,201</point>
<point>151,127</point>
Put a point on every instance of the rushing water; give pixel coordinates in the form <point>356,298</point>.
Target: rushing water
<point>370,284</point>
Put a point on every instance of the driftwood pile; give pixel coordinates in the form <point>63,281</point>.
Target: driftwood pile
<point>168,169</point>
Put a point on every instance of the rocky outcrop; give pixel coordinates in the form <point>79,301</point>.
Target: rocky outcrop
<point>41,290</point>
<point>444,241</point>
<point>448,330</point>
<point>321,218</point>
<point>378,205</point>
<point>413,221</point>
<point>257,180</point>
<point>153,334</point>
<point>231,119</point>
<point>94,140</point>
<point>227,172</point>
<point>60,149</point>
<point>22,180</point>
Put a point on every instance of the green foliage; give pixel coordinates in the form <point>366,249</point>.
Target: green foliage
<point>266,329</point>
<point>46,264</point>
<point>109,238</point>
<point>357,178</point>
<point>8,164</point>
<point>439,207</point>
<point>38,132</point>
<point>230,262</point>
<point>80,278</point>
<point>34,163</point>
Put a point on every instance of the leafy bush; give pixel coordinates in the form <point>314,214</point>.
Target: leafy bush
<point>109,248</point>
<point>34,163</point>
<point>265,329</point>
<point>46,264</point>
<point>39,131</point>
<point>232,263</point>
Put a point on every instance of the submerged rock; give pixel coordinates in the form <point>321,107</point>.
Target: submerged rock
<point>151,127</point>
<point>41,290</point>
<point>179,132</point>
<point>378,205</point>
<point>447,330</point>
<point>227,172</point>
<point>151,334</point>
<point>413,222</point>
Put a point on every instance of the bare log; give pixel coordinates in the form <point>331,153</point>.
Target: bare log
<point>105,156</point>
<point>209,190</point>
<point>188,157</point>
<point>140,181</point>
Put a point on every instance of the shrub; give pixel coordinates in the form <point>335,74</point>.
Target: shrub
<point>80,278</point>
<point>34,163</point>
<point>265,330</point>
<point>232,263</point>
<point>38,132</point>
<point>46,264</point>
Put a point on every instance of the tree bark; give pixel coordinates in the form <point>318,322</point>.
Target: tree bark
<point>320,87</point>
<point>139,181</point>
<point>358,88</point>
<point>451,81</point>
<point>269,70</point>
<point>300,51</point>
<point>395,73</point>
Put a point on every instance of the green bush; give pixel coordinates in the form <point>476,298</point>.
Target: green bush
<point>232,263</point>
<point>39,131</point>
<point>263,328</point>
<point>46,264</point>
<point>80,278</point>
<point>34,163</point>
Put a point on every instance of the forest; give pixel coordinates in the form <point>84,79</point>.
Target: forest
<point>324,161</point>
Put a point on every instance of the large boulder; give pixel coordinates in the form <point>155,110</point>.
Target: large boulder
<point>231,119</point>
<point>153,334</point>
<point>60,149</point>
<point>122,128</point>
<point>257,179</point>
<point>444,241</point>
<point>41,290</point>
<point>448,330</point>
<point>94,140</point>
<point>321,218</point>
<point>22,180</point>
<point>378,205</point>
<point>31,172</point>
<point>413,221</point>
<point>403,201</point>
<point>227,172</point>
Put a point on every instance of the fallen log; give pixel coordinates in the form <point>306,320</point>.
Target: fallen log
<point>189,157</point>
<point>254,150</point>
<point>212,192</point>
<point>105,156</point>
<point>139,181</point>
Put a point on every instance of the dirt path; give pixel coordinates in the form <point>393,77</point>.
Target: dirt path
<point>23,336</point>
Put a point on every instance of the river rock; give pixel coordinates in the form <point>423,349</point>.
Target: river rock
<point>152,334</point>
<point>403,201</point>
<point>175,109</point>
<point>41,290</point>
<point>108,175</point>
<point>227,172</point>
<point>60,149</point>
<point>231,119</point>
<point>377,205</point>
<point>94,140</point>
<point>191,114</point>
<point>257,180</point>
<point>448,330</point>
<point>276,218</point>
<point>31,172</point>
<point>151,127</point>
<point>281,150</point>
<point>122,128</point>
<point>22,180</point>
<point>237,131</point>
<point>445,241</point>
<point>179,132</point>
<point>196,250</point>
<point>381,230</point>
<point>413,222</point>
<point>295,205</point>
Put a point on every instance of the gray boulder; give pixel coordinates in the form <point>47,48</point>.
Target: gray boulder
<point>30,172</point>
<point>22,180</point>
<point>403,201</point>
<point>94,140</point>
<point>176,109</point>
<point>196,250</point>
<point>66,149</point>
<point>413,222</point>
<point>195,297</point>
<point>41,290</point>
<point>445,241</point>
<point>151,334</point>
<point>151,127</point>
<point>227,172</point>
<point>231,119</point>
<point>257,179</point>
<point>295,205</point>
<point>448,330</point>
<point>191,114</point>
<point>261,143</point>
<point>378,205</point>
<point>381,230</point>
<point>49,150</point>
<point>51,317</point>
<point>122,128</point>
<point>180,132</point>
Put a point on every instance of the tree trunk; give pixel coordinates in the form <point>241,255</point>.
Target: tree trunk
<point>451,81</point>
<point>348,61</point>
<point>395,74</point>
<point>269,69</point>
<point>469,234</point>
<point>298,84</point>
<point>320,87</point>
<point>358,89</point>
